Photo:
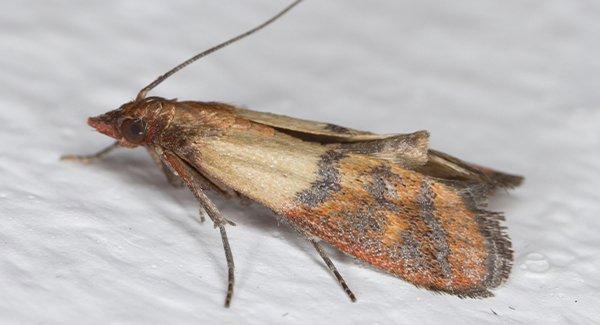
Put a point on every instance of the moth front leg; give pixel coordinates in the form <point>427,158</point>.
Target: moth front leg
<point>194,181</point>
<point>86,159</point>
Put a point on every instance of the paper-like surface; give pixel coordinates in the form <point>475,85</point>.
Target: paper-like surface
<point>509,84</point>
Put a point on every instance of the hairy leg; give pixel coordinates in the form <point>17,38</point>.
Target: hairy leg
<point>333,269</point>
<point>194,182</point>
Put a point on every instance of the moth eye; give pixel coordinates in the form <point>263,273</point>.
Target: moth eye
<point>133,131</point>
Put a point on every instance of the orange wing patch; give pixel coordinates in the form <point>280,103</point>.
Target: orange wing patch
<point>427,231</point>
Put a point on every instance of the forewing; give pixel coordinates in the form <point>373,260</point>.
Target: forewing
<point>428,232</point>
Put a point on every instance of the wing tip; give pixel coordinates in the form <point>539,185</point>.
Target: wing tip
<point>499,260</point>
<point>507,180</point>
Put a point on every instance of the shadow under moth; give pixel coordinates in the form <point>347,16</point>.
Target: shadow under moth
<point>386,200</point>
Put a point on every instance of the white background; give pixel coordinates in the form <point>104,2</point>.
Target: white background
<point>509,84</point>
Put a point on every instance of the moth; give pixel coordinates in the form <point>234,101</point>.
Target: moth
<point>387,200</point>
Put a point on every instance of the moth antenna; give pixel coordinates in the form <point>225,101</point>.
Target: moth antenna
<point>145,90</point>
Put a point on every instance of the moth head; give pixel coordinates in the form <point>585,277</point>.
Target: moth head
<point>133,124</point>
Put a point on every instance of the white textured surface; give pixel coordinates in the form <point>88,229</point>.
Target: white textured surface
<point>510,84</point>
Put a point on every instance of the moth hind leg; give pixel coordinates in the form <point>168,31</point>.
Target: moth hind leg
<point>333,269</point>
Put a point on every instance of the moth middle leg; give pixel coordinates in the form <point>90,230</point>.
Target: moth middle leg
<point>173,179</point>
<point>177,182</point>
<point>194,181</point>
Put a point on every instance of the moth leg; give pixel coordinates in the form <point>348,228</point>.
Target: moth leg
<point>176,181</point>
<point>86,159</point>
<point>194,181</point>
<point>197,185</point>
<point>333,269</point>
<point>173,179</point>
<point>201,214</point>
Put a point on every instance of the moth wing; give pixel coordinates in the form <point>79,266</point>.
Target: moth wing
<point>409,150</point>
<point>430,232</point>
<point>444,166</point>
<point>318,131</point>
